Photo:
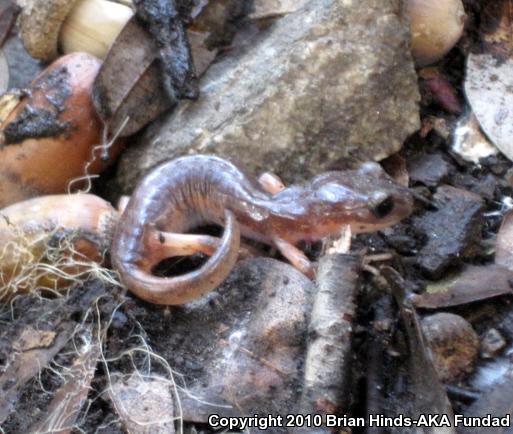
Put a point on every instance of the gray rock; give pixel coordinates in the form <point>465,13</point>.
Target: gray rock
<point>334,79</point>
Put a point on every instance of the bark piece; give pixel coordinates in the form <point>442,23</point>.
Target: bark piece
<point>334,79</point>
<point>453,231</point>
<point>68,400</point>
<point>25,365</point>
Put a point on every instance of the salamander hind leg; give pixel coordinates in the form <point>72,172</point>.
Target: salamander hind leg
<point>296,257</point>
<point>185,287</point>
<point>164,245</point>
<point>169,244</point>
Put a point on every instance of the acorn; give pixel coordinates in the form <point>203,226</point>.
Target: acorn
<point>47,138</point>
<point>436,26</point>
<point>52,27</point>
<point>48,241</point>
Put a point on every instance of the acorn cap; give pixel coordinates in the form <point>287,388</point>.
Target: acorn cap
<point>40,23</point>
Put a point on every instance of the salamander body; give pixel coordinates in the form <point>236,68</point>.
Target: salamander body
<point>188,191</point>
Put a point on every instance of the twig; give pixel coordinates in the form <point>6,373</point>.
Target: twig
<point>330,332</point>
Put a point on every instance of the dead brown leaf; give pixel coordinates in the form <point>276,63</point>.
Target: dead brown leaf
<point>134,97</point>
<point>489,75</point>
<point>472,284</point>
<point>129,100</point>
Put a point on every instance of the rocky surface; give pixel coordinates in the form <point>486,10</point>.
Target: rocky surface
<point>332,80</point>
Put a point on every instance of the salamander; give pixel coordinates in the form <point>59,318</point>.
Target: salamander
<point>189,191</point>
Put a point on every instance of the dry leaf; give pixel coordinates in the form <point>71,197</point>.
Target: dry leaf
<point>489,76</point>
<point>144,405</point>
<point>489,90</point>
<point>127,102</point>
<point>472,284</point>
<point>136,94</point>
<point>165,23</point>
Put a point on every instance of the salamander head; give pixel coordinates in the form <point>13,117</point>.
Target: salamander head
<point>367,199</point>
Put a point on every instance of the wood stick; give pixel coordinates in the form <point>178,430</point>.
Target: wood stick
<point>330,333</point>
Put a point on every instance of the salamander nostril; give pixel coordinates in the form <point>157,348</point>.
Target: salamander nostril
<point>381,205</point>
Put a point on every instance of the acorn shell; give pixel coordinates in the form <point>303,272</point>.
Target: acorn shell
<point>436,26</point>
<point>40,22</point>
<point>49,136</point>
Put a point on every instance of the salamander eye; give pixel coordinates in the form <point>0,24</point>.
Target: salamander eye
<point>381,204</point>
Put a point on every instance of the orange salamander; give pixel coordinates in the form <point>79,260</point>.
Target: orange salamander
<point>189,191</point>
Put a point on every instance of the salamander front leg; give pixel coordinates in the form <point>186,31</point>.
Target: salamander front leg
<point>296,257</point>
<point>122,203</point>
<point>271,183</point>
